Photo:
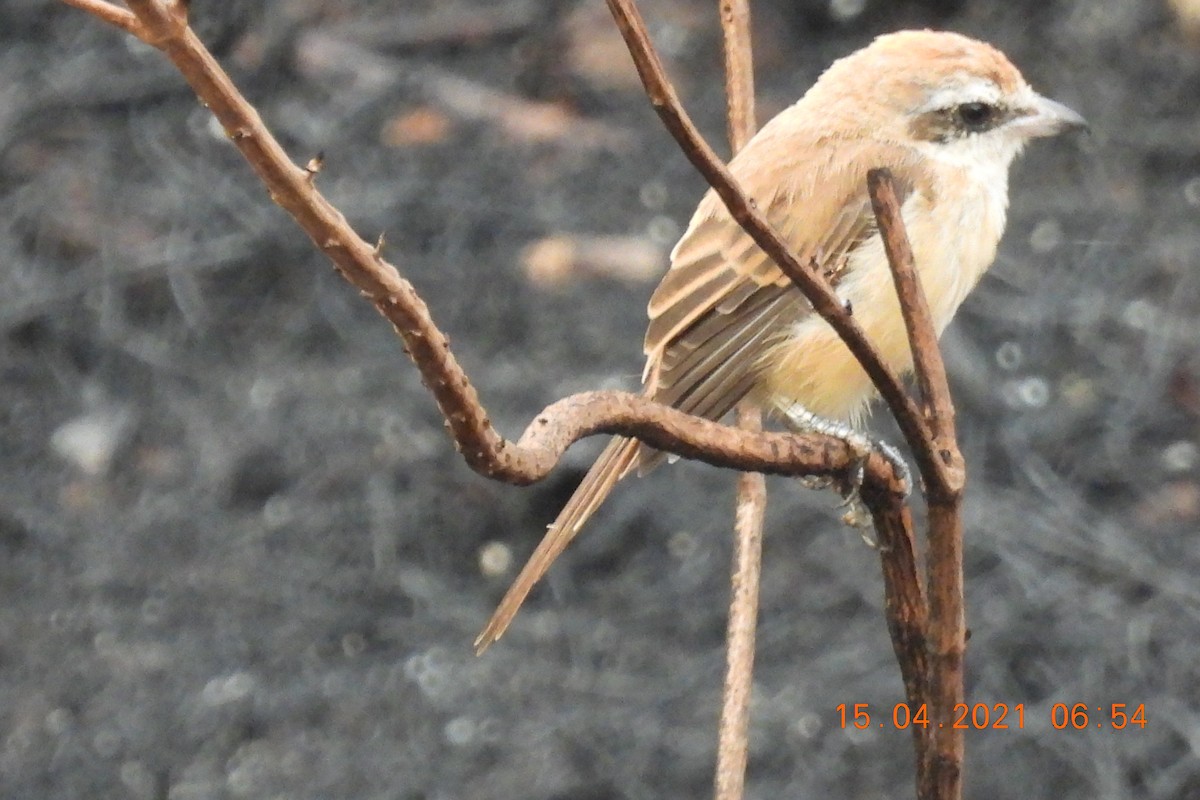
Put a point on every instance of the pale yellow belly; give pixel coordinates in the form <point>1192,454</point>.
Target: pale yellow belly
<point>810,365</point>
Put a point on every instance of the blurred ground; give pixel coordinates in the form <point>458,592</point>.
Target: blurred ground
<point>240,559</point>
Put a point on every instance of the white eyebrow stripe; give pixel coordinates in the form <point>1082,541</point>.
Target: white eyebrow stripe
<point>971,90</point>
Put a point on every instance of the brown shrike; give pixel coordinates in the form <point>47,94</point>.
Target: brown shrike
<point>947,115</point>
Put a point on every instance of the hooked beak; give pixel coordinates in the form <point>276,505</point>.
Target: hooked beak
<point>1046,117</point>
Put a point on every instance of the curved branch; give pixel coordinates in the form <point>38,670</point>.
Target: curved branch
<point>671,430</point>
<point>163,24</point>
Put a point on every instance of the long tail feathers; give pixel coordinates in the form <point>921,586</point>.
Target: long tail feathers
<point>612,465</point>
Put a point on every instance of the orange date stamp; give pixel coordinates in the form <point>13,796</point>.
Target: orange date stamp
<point>996,716</point>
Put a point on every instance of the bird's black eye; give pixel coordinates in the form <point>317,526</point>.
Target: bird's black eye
<point>976,116</point>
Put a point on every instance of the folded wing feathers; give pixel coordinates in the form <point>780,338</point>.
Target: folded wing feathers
<point>718,308</point>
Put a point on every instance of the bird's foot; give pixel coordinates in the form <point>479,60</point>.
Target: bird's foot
<point>802,420</point>
<point>899,465</point>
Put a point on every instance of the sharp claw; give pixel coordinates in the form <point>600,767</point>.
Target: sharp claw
<point>816,482</point>
<point>898,463</point>
<point>864,533</point>
<point>856,515</point>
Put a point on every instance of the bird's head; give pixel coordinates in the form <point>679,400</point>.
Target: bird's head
<point>953,98</point>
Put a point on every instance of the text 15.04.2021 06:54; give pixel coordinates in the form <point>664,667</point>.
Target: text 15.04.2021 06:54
<point>997,716</point>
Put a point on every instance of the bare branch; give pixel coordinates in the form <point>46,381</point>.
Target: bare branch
<point>946,648</point>
<point>739,72</point>
<point>733,730</point>
<point>113,14</point>
<point>671,430</point>
<point>357,261</point>
<point>941,758</point>
<point>294,189</point>
<point>906,613</point>
<point>949,475</point>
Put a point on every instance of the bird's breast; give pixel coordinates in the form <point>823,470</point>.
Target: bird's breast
<point>954,233</point>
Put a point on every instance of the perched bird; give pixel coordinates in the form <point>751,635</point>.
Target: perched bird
<point>947,115</point>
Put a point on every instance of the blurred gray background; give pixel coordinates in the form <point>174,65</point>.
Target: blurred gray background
<point>239,557</point>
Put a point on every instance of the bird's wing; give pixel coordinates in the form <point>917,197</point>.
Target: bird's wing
<point>724,301</point>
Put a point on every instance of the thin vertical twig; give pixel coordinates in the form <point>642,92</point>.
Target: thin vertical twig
<point>940,767</point>
<point>739,72</point>
<point>733,731</point>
